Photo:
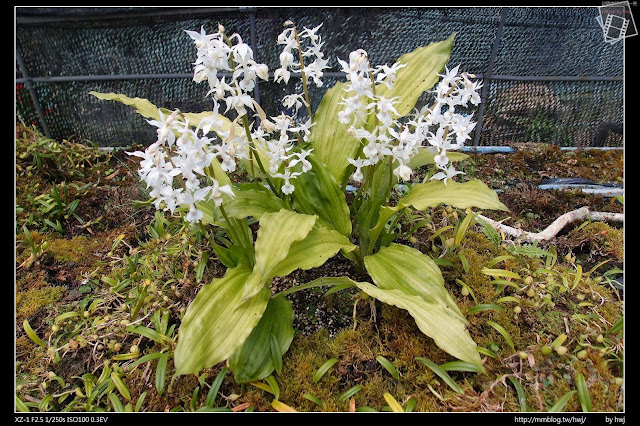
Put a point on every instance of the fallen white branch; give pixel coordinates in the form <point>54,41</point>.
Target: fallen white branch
<point>552,230</point>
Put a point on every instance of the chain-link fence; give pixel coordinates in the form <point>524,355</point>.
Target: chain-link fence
<point>549,76</point>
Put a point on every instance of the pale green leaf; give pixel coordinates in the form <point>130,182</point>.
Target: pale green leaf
<point>218,321</point>
<point>313,251</point>
<point>410,280</point>
<point>473,193</point>
<point>420,74</point>
<point>278,231</point>
<point>331,144</point>
<point>148,110</point>
<point>425,157</point>
<point>393,403</point>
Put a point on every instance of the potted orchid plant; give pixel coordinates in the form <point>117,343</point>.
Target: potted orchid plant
<point>365,135</point>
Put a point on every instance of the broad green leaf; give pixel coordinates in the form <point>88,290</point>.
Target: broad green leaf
<point>217,322</point>
<point>250,201</point>
<point>318,246</point>
<point>473,193</point>
<point>331,144</point>
<point>317,192</point>
<point>278,231</point>
<point>420,74</point>
<point>410,280</point>
<point>400,267</point>
<point>253,360</point>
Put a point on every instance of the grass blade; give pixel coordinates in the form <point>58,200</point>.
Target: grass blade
<point>464,285</point>
<point>440,372</point>
<point>502,273</point>
<point>116,403</point>
<point>350,392</point>
<point>161,371</point>
<point>393,403</point>
<point>462,366</point>
<point>282,407</point>
<point>503,332</point>
<point>487,352</point>
<point>411,404</point>
<point>122,388</point>
<point>21,406</point>
<point>148,357</point>
<point>484,307</point>
<point>32,334</point>
<point>522,395</point>
<point>265,387</point>
<point>559,406</point>
<point>499,259</point>
<point>274,386</point>
<point>323,369</point>
<point>388,366</point>
<point>313,399</point>
<point>583,393</point>
<point>140,401</point>
<point>215,386</point>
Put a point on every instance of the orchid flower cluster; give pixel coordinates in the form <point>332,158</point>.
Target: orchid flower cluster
<point>179,152</point>
<point>183,153</point>
<point>399,141</point>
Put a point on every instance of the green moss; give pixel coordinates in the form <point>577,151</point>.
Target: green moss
<point>31,301</point>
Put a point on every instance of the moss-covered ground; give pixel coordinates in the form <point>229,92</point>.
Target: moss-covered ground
<point>92,263</point>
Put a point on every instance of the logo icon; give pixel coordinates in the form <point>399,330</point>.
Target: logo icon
<point>616,21</point>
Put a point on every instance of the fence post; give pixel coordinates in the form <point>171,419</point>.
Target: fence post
<point>33,94</point>
<point>489,74</point>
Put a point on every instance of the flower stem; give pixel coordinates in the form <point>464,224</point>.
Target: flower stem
<point>304,76</point>
<point>258,160</point>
